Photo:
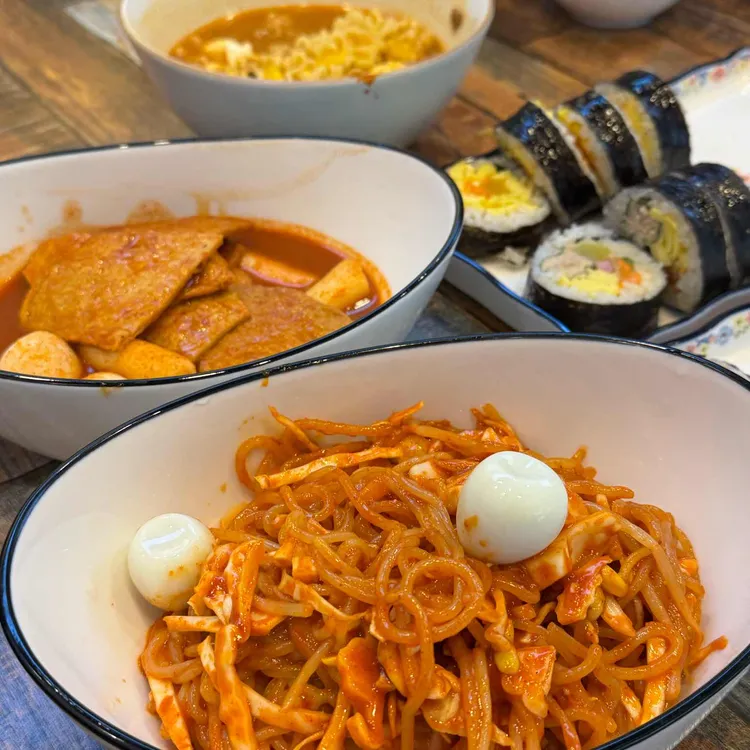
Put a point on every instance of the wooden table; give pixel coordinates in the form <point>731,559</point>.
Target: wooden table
<point>65,83</point>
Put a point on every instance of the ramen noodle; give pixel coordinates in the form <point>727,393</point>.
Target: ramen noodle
<point>309,43</point>
<point>339,609</point>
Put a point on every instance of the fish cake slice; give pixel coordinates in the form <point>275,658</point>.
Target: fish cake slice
<point>193,327</point>
<point>51,251</point>
<point>215,276</point>
<point>223,224</point>
<point>116,284</point>
<point>280,319</point>
<point>60,249</point>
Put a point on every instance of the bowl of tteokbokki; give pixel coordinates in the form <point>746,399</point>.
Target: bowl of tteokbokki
<point>421,547</point>
<point>380,70</point>
<point>148,272</point>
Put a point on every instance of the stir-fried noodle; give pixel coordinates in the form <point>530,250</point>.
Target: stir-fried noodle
<point>338,608</point>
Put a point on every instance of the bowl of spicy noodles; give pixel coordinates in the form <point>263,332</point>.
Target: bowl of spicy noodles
<point>387,570</point>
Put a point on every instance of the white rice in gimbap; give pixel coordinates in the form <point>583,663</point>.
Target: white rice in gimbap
<point>596,283</point>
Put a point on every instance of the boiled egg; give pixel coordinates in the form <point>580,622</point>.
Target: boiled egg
<point>511,507</point>
<point>165,559</point>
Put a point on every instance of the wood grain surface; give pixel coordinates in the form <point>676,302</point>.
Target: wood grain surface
<point>67,82</point>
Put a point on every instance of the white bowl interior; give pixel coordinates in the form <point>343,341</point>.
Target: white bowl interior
<point>159,24</point>
<point>399,215</point>
<point>670,428</point>
<point>398,211</point>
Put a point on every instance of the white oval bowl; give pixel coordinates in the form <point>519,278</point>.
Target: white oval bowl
<point>397,210</point>
<point>671,426</point>
<point>616,14</point>
<point>393,110</point>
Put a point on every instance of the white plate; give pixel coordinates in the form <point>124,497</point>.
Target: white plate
<point>716,101</point>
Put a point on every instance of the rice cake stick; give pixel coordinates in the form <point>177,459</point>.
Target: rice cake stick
<point>138,360</point>
<point>343,286</point>
<point>274,271</point>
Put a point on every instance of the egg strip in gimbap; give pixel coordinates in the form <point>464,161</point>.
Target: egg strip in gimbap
<point>603,137</point>
<point>536,142</point>
<point>681,228</point>
<point>654,116</point>
<point>504,212</point>
<point>731,196</point>
<point>596,283</point>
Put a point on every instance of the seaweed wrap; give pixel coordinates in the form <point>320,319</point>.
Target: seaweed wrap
<point>654,117</point>
<point>602,136</point>
<point>534,140</point>
<point>680,226</point>
<point>731,196</point>
<point>594,282</point>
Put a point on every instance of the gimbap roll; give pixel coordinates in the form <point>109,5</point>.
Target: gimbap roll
<point>536,142</point>
<point>596,283</point>
<point>602,136</point>
<point>654,116</point>
<point>680,227</point>
<point>504,212</point>
<point>731,196</point>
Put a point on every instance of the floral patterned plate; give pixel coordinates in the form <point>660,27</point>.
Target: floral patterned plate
<point>726,342</point>
<point>716,101</point>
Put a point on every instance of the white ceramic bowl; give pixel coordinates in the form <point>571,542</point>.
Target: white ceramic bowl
<point>393,110</point>
<point>399,211</point>
<point>616,14</point>
<point>673,427</point>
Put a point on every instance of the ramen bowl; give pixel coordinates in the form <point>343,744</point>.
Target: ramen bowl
<point>615,14</point>
<point>392,109</point>
<point>676,433</point>
<point>398,211</point>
